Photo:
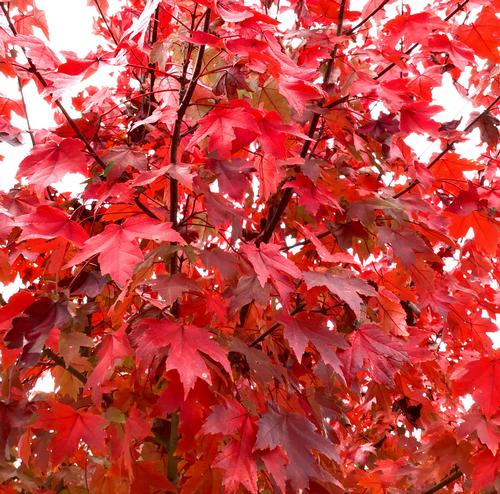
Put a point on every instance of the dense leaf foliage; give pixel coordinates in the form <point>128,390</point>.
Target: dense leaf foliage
<point>262,287</point>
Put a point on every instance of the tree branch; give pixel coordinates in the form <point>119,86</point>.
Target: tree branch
<point>448,480</point>
<point>176,135</point>
<point>61,363</point>
<point>448,147</point>
<point>275,218</point>
<point>43,82</point>
<point>459,7</point>
<point>367,18</point>
<point>185,96</point>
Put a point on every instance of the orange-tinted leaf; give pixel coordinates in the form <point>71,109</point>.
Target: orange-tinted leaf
<point>71,426</point>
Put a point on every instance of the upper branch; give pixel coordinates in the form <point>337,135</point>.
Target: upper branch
<point>44,83</point>
<point>448,147</point>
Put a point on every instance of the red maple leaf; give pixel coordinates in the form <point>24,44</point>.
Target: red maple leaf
<point>49,163</point>
<point>186,346</point>
<point>237,458</point>
<point>486,230</point>
<point>483,34</point>
<point>343,284</point>
<point>118,249</point>
<point>486,468</point>
<point>260,267</point>
<point>460,54</point>
<point>227,129</point>
<point>310,328</point>
<point>267,261</point>
<point>416,117</point>
<point>113,348</point>
<point>71,426</point>
<point>383,354</point>
<point>48,222</point>
<point>31,330</point>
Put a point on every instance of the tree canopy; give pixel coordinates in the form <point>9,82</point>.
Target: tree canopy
<point>264,286</point>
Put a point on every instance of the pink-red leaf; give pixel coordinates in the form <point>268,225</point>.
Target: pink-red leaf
<point>48,222</point>
<point>267,260</point>
<point>49,163</point>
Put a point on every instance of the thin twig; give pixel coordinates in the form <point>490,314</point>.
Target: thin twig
<point>367,18</point>
<point>305,241</point>
<point>26,115</point>
<point>144,208</point>
<point>447,148</point>
<point>43,82</point>
<point>408,52</point>
<point>103,17</point>
<point>274,327</point>
<point>459,7</point>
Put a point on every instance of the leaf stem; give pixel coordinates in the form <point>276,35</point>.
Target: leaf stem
<point>26,115</point>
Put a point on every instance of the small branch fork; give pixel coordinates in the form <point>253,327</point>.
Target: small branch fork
<point>287,194</point>
<point>61,363</point>
<point>447,148</point>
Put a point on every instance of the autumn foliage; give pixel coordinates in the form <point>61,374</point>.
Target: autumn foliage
<point>263,288</point>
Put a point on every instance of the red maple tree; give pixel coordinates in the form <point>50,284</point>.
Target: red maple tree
<point>262,287</point>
